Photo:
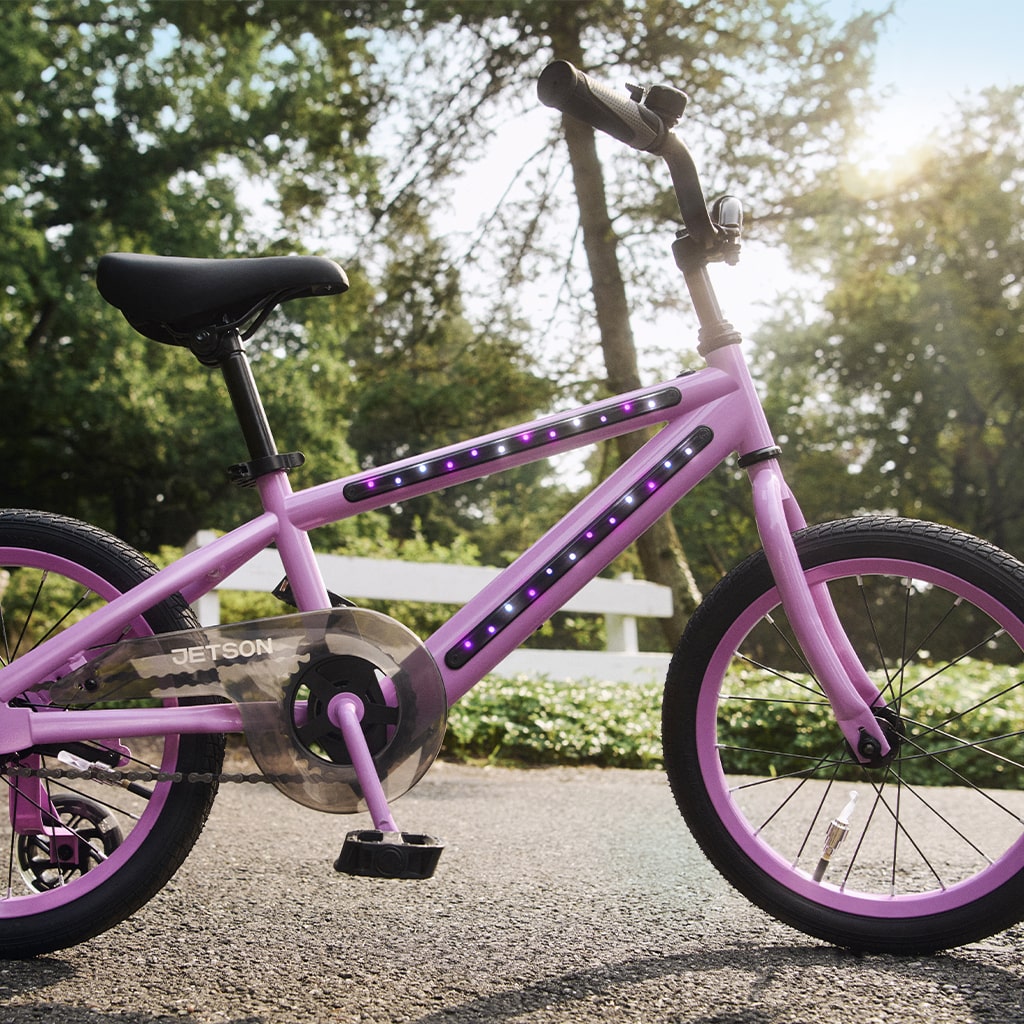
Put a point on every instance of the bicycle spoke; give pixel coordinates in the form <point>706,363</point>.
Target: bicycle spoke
<point>988,700</point>
<point>959,660</point>
<point>4,639</point>
<point>948,822</point>
<point>956,743</point>
<point>899,638</point>
<point>792,647</point>
<point>28,615</point>
<point>776,700</point>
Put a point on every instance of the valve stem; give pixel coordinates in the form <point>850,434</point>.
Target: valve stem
<point>836,833</point>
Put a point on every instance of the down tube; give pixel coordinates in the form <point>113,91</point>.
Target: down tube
<point>583,543</point>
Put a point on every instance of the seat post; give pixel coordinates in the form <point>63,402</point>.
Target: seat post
<point>246,400</point>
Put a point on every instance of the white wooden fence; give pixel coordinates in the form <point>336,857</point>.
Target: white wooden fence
<point>621,601</point>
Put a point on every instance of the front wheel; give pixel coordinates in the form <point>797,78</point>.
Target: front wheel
<point>922,853</point>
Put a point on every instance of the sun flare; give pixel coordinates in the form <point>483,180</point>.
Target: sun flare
<point>890,152</point>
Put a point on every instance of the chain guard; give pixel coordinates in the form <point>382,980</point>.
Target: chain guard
<point>281,672</point>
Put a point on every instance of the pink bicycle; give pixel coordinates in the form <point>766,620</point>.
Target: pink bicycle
<point>819,737</point>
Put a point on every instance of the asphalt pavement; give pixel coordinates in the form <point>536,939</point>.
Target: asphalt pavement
<point>562,895</point>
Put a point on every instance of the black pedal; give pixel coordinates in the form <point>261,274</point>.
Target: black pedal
<point>371,853</point>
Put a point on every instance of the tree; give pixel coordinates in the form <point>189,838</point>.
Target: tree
<point>424,377</point>
<point>132,126</point>
<point>160,127</point>
<point>776,83</point>
<point>918,364</point>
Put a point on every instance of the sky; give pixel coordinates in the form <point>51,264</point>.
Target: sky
<point>934,50</point>
<point>932,54</point>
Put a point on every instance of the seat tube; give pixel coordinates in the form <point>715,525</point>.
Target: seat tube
<point>812,615</point>
<point>294,546</point>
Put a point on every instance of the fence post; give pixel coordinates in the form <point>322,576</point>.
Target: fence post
<point>621,630</point>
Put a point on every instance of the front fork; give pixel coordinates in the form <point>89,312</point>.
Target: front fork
<point>822,639</point>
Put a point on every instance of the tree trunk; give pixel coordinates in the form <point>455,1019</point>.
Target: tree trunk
<point>660,550</point>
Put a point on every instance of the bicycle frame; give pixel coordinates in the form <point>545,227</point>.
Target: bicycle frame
<point>707,415</point>
<point>343,709</point>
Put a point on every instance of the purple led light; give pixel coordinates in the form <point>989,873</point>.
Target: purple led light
<point>528,437</point>
<point>586,542</point>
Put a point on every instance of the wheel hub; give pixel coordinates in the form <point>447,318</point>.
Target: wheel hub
<point>893,729</point>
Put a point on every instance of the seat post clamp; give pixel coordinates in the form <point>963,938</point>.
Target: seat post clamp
<point>245,474</point>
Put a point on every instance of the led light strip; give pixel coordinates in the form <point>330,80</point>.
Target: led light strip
<point>524,440</point>
<point>585,542</point>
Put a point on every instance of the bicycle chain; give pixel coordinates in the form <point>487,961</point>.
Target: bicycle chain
<point>118,778</point>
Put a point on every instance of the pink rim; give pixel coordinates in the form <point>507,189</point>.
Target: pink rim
<point>763,855</point>
<point>29,904</point>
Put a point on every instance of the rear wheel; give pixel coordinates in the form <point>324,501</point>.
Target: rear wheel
<point>78,857</point>
<point>931,853</point>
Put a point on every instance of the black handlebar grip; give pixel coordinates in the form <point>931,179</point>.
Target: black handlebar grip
<point>569,90</point>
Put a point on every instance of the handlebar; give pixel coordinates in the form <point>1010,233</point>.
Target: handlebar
<point>569,90</point>
<point>566,88</point>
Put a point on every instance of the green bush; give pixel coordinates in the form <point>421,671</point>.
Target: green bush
<point>541,722</point>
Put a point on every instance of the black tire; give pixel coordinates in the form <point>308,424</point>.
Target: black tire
<point>54,570</point>
<point>934,855</point>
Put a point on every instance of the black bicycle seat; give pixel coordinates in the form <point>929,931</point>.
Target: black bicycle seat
<point>170,298</point>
